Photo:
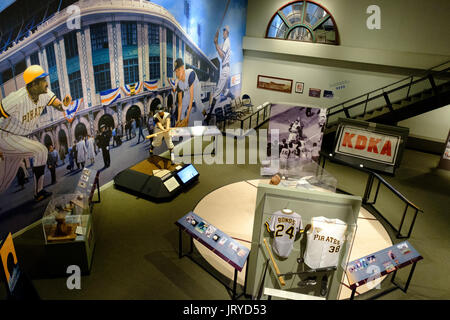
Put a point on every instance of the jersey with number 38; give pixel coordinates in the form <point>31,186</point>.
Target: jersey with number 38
<point>285,227</point>
<point>325,239</point>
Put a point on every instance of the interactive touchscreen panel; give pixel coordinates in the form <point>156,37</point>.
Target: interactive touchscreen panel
<point>187,174</point>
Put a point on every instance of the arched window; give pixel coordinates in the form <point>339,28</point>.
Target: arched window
<point>303,21</point>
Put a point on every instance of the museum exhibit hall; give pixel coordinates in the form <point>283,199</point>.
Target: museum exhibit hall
<point>236,151</point>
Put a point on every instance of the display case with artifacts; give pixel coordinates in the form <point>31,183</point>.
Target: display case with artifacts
<point>68,233</point>
<point>66,218</point>
<point>306,236</point>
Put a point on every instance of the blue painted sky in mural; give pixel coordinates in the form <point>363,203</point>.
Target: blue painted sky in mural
<point>207,14</point>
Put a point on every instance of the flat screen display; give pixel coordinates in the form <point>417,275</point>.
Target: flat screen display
<point>187,174</point>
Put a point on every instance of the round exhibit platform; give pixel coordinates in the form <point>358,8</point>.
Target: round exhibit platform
<point>231,208</point>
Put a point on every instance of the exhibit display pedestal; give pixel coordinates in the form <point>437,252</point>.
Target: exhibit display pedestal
<point>156,178</point>
<point>221,244</point>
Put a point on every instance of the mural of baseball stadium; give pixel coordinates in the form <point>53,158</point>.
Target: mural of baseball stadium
<point>111,65</point>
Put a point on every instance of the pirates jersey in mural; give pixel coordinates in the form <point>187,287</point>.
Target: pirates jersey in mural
<point>19,114</point>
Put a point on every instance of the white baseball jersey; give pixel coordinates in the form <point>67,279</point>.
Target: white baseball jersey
<point>325,240</point>
<point>225,69</point>
<point>226,48</point>
<point>19,114</point>
<point>196,114</point>
<point>284,154</point>
<point>157,141</point>
<point>285,227</point>
<point>163,120</point>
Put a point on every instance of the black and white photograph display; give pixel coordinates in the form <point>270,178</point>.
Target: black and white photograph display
<point>300,132</point>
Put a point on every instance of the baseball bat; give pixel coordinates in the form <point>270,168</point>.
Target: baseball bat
<point>274,264</point>
<point>157,133</point>
<point>224,13</point>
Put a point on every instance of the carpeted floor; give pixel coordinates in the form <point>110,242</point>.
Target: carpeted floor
<point>136,253</point>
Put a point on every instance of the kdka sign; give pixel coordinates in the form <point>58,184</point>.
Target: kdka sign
<point>368,145</point>
<point>371,145</point>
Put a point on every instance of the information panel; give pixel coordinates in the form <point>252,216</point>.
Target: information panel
<point>378,264</point>
<point>214,239</point>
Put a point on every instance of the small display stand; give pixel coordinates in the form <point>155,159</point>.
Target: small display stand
<point>156,178</point>
<point>68,233</point>
<point>87,184</point>
<point>217,241</point>
<point>381,263</point>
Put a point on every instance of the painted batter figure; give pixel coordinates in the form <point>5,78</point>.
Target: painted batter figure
<point>224,53</point>
<point>190,106</point>
<point>19,116</point>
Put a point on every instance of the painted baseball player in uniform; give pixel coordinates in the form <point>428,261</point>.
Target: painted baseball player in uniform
<point>285,224</point>
<point>162,123</point>
<point>190,105</point>
<point>19,116</point>
<point>224,53</point>
<point>325,240</point>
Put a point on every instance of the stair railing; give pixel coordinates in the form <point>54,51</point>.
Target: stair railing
<point>430,75</point>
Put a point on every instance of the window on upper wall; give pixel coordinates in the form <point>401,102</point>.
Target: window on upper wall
<point>102,77</point>
<point>50,52</point>
<point>71,44</point>
<point>129,33</point>
<point>34,58</point>
<point>131,70</point>
<point>154,68</point>
<point>99,36</point>
<point>169,52</point>
<point>76,90</point>
<point>55,89</point>
<point>303,21</point>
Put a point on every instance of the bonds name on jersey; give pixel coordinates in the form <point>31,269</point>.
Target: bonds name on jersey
<point>325,239</point>
<point>19,114</point>
<point>285,227</point>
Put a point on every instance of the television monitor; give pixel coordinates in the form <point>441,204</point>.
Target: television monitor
<point>187,174</point>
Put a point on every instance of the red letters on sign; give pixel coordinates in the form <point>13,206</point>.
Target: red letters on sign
<point>373,145</point>
<point>386,148</point>
<point>361,142</point>
<point>347,142</point>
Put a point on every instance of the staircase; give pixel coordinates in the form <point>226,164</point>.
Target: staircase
<point>398,101</point>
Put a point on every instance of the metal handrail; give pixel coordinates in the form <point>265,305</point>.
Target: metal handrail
<point>368,191</point>
<point>380,178</point>
<point>427,72</point>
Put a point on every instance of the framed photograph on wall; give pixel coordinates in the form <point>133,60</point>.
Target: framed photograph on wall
<point>299,87</point>
<point>314,92</point>
<point>274,83</point>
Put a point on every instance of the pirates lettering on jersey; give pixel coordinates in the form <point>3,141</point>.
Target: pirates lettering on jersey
<point>34,113</point>
<point>327,239</point>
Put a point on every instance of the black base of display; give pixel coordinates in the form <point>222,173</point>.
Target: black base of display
<point>147,186</point>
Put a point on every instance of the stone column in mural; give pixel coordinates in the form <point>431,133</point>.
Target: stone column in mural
<point>91,124</point>
<point>119,114</point>
<point>61,66</point>
<point>142,50</point>
<point>163,56</point>
<point>115,54</point>
<point>86,68</point>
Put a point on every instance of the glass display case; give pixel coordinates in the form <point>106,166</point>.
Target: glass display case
<point>304,237</point>
<point>68,231</point>
<point>66,218</point>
